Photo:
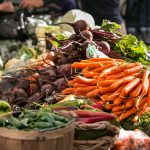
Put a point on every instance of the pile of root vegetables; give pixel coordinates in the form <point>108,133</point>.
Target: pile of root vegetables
<point>74,48</point>
<point>122,88</point>
<point>34,83</point>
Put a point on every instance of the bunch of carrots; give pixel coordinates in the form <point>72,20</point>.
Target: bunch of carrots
<point>123,88</point>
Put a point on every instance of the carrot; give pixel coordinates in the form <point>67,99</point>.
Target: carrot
<point>138,75</point>
<point>90,74</point>
<point>136,117</point>
<point>116,76</point>
<point>79,93</point>
<point>130,103</point>
<point>76,85</point>
<point>107,71</point>
<point>116,93</point>
<point>68,91</point>
<point>93,93</point>
<point>99,69</point>
<point>79,65</point>
<point>140,101</point>
<point>109,106</point>
<point>145,82</point>
<point>130,65</point>
<point>121,81</point>
<point>105,96</point>
<point>119,100</point>
<point>85,89</point>
<point>83,80</point>
<point>100,59</point>
<point>136,91</point>
<point>71,82</point>
<point>129,113</point>
<point>105,82</point>
<point>98,64</point>
<point>117,113</point>
<point>118,108</point>
<point>85,61</point>
<point>119,69</point>
<point>105,89</point>
<point>148,97</point>
<point>133,70</point>
<point>127,88</point>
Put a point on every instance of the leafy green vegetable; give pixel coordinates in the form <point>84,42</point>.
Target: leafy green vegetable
<point>110,26</point>
<point>131,48</point>
<point>31,120</point>
<point>4,107</point>
<point>143,123</point>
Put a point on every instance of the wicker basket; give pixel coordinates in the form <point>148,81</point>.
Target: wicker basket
<point>101,143</point>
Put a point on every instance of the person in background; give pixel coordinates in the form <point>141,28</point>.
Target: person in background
<point>6,6</point>
<point>64,5</point>
<point>104,9</point>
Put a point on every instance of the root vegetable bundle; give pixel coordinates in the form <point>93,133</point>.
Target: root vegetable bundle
<point>34,84</point>
<point>121,87</point>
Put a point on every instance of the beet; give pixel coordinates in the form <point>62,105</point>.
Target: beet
<point>34,98</point>
<point>64,70</point>
<point>19,93</point>
<point>23,84</point>
<point>104,47</point>
<point>60,84</point>
<point>73,37</point>
<point>86,35</point>
<point>46,90</point>
<point>62,60</point>
<point>78,26</point>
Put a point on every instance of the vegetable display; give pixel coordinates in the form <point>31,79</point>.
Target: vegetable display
<point>30,120</point>
<point>120,87</point>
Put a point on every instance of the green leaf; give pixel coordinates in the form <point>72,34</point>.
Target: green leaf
<point>110,26</point>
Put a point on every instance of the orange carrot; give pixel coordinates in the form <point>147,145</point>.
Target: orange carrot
<point>100,59</point>
<point>128,87</point>
<point>133,70</point>
<point>129,113</point>
<point>90,74</point>
<point>136,91</point>
<point>116,76</point>
<point>118,108</point>
<point>119,100</point>
<point>116,93</point>
<point>93,93</point>
<point>131,65</point>
<point>107,71</point>
<point>109,106</point>
<point>119,69</point>
<point>145,82</point>
<point>148,97</point>
<point>68,91</point>
<point>130,103</point>
<point>85,89</point>
<point>117,113</point>
<point>83,80</point>
<point>98,64</point>
<point>79,65</point>
<point>105,82</point>
<point>76,85</point>
<point>99,69</point>
<point>138,75</point>
<point>105,96</point>
<point>121,81</point>
<point>140,100</point>
<point>136,117</point>
<point>105,89</point>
